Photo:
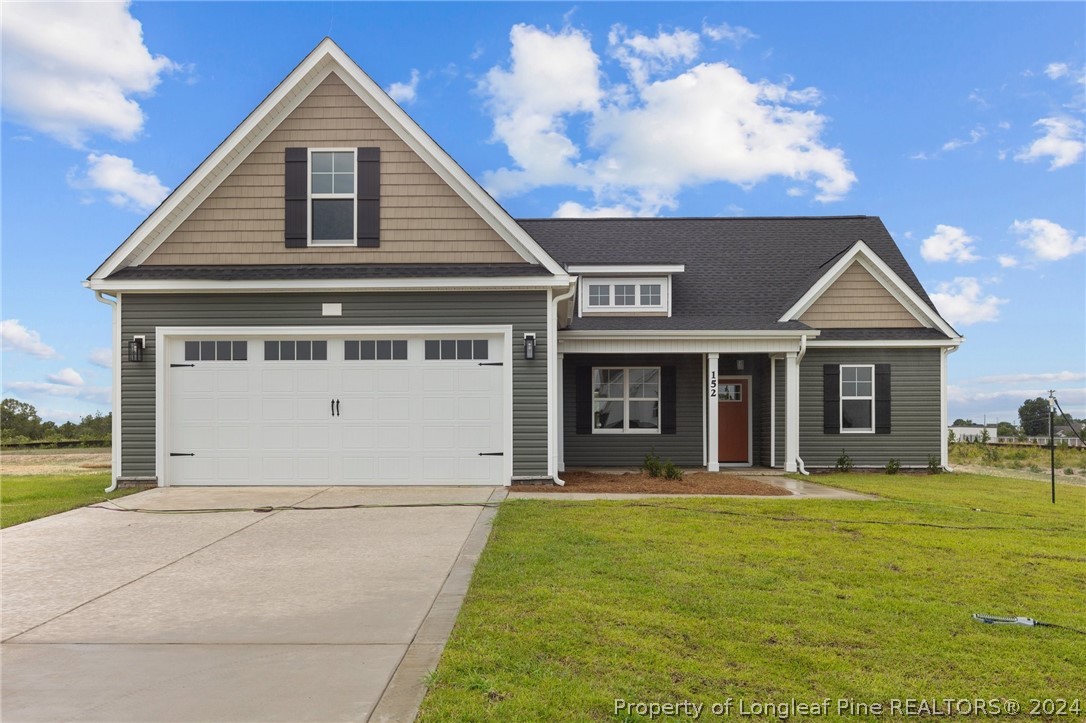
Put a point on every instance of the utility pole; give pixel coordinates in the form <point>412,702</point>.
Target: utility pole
<point>1052,438</point>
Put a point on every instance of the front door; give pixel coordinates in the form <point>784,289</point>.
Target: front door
<point>734,428</point>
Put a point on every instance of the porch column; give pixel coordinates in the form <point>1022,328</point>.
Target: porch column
<point>711,398</point>
<point>560,422</point>
<point>791,410</point>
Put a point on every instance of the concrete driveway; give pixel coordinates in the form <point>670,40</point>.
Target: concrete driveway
<point>330,615</point>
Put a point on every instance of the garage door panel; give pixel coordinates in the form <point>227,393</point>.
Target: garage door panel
<point>399,421</point>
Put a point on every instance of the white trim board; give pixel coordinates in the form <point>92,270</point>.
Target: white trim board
<point>162,365</point>
<point>325,59</point>
<point>624,269</point>
<point>432,284</point>
<point>894,284</point>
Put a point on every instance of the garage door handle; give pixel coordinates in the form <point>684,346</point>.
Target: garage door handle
<point>182,454</point>
<point>333,403</point>
<point>181,365</point>
<point>337,407</point>
<point>492,454</point>
<point>491,364</point>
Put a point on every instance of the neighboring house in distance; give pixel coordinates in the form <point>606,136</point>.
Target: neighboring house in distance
<point>974,433</point>
<point>330,299</point>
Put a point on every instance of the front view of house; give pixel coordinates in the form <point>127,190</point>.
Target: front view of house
<point>330,299</point>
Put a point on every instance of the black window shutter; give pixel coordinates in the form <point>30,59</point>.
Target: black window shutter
<point>882,399</point>
<point>295,198</point>
<point>369,197</point>
<point>583,394</point>
<point>668,401</point>
<point>831,399</point>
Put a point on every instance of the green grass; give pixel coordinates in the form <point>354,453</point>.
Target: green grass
<point>576,604</point>
<point>28,497</point>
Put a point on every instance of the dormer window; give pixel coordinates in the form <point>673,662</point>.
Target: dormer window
<point>614,295</point>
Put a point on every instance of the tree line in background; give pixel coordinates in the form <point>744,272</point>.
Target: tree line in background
<point>20,423</point>
<point>1033,421</point>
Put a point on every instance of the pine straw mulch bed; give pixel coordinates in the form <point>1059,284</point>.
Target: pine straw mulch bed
<point>692,483</point>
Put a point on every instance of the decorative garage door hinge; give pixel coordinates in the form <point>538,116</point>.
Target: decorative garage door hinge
<point>492,454</point>
<point>491,364</point>
<point>182,365</point>
<point>182,454</point>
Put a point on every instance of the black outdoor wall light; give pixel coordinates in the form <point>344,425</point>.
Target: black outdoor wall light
<point>135,349</point>
<point>529,346</point>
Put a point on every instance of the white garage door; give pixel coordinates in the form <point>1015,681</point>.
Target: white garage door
<point>315,410</point>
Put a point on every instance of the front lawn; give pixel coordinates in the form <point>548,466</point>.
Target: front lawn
<point>28,497</point>
<point>574,605</point>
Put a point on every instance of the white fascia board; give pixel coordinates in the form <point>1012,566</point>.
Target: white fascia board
<point>626,269</point>
<point>885,344</point>
<point>893,283</point>
<point>709,334</point>
<point>296,285</point>
<point>230,152</point>
<point>327,330</point>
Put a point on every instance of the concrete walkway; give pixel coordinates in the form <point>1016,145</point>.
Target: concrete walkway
<point>331,615</point>
<point>797,488</point>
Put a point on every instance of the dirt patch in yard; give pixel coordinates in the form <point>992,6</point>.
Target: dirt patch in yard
<point>692,483</point>
<point>55,461</point>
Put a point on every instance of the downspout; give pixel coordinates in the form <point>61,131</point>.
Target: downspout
<point>552,359</point>
<point>115,391</point>
<point>799,358</point>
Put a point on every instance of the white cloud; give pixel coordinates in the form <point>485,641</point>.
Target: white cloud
<point>572,209</point>
<point>1062,142</point>
<point>961,302</point>
<point>708,124</point>
<point>1057,70</point>
<point>73,69</point>
<point>404,93</point>
<point>67,376</point>
<point>1048,240</point>
<point>948,243</point>
<point>101,358</point>
<point>100,395</point>
<point>736,34</point>
<point>124,184</point>
<point>1046,377</point>
<point>643,57</point>
<point>974,137</point>
<point>1006,261</point>
<point>16,337</point>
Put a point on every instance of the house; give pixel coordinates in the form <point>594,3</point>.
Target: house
<point>974,433</point>
<point>330,299</point>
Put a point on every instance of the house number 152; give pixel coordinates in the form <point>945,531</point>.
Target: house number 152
<point>712,384</point>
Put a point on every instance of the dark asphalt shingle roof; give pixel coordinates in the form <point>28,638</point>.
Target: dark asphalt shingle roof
<point>280,272</point>
<point>741,273</point>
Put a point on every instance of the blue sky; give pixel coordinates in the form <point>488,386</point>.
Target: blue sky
<point>961,125</point>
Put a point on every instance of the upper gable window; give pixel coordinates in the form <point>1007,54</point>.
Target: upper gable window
<point>601,295</point>
<point>332,197</point>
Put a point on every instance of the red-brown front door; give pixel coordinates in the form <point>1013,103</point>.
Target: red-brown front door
<point>734,429</point>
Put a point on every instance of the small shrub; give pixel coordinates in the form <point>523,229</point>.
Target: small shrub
<point>991,454</point>
<point>1015,465</point>
<point>934,465</point>
<point>1035,468</point>
<point>670,471</point>
<point>844,462</point>
<point>1068,470</point>
<point>652,464</point>
<point>892,466</point>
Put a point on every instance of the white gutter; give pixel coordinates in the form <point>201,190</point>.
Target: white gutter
<point>799,357</point>
<point>115,392</point>
<point>552,378</point>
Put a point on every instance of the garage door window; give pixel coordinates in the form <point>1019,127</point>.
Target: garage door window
<point>457,349</point>
<point>216,350</point>
<point>375,350</point>
<point>300,350</point>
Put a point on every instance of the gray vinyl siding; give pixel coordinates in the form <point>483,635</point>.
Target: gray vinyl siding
<point>526,311</point>
<point>684,448</point>
<point>914,392</point>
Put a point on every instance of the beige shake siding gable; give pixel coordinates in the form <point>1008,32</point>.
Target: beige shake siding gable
<point>422,219</point>
<point>856,300</point>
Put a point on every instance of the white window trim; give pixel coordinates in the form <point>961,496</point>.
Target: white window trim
<point>587,307</point>
<point>626,402</point>
<point>310,196</point>
<point>842,398</point>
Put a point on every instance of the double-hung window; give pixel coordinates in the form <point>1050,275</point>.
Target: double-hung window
<point>332,193</point>
<point>857,398</point>
<point>626,400</point>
